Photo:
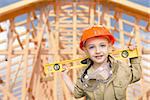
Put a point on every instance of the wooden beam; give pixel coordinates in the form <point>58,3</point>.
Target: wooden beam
<point>25,70</point>
<point>121,32</point>
<point>74,42</point>
<point>57,86</point>
<point>32,82</point>
<point>8,69</point>
<point>21,7</point>
<point>31,52</point>
<point>129,6</point>
<point>7,93</point>
<point>91,11</point>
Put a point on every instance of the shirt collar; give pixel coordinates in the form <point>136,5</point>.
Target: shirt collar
<point>112,64</point>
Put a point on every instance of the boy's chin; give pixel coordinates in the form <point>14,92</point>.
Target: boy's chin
<point>99,61</point>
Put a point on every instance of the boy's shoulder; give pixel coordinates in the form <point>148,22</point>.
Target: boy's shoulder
<point>80,71</point>
<point>120,63</point>
<point>123,67</point>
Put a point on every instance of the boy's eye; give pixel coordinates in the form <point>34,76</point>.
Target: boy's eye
<point>102,45</point>
<point>91,47</point>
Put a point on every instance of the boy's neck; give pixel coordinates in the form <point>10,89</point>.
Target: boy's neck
<point>97,65</point>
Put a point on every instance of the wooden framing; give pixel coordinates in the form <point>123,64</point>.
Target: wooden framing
<point>52,30</point>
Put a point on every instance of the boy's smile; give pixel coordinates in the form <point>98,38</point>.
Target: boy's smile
<point>97,48</point>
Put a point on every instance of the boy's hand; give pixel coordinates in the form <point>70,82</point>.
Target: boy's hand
<point>65,67</point>
<point>67,79</point>
<point>132,47</point>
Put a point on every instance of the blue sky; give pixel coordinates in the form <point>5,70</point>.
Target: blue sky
<point>142,2</point>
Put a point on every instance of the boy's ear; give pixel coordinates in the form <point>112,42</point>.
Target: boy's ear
<point>85,51</point>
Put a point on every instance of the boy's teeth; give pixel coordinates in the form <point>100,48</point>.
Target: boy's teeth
<point>98,56</point>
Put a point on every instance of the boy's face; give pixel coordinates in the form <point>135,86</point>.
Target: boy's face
<point>97,48</point>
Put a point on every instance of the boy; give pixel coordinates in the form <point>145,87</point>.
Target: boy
<point>104,78</point>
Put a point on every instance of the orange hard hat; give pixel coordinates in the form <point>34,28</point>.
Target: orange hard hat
<point>96,31</point>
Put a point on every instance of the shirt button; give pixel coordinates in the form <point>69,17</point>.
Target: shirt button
<point>110,72</point>
<point>86,77</point>
<point>86,85</point>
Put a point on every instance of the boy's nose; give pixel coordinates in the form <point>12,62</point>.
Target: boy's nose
<point>98,50</point>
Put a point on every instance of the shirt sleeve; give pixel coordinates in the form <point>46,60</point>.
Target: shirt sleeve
<point>78,90</point>
<point>136,69</point>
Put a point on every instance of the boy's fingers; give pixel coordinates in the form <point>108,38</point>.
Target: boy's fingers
<point>132,47</point>
<point>65,71</point>
<point>65,67</point>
